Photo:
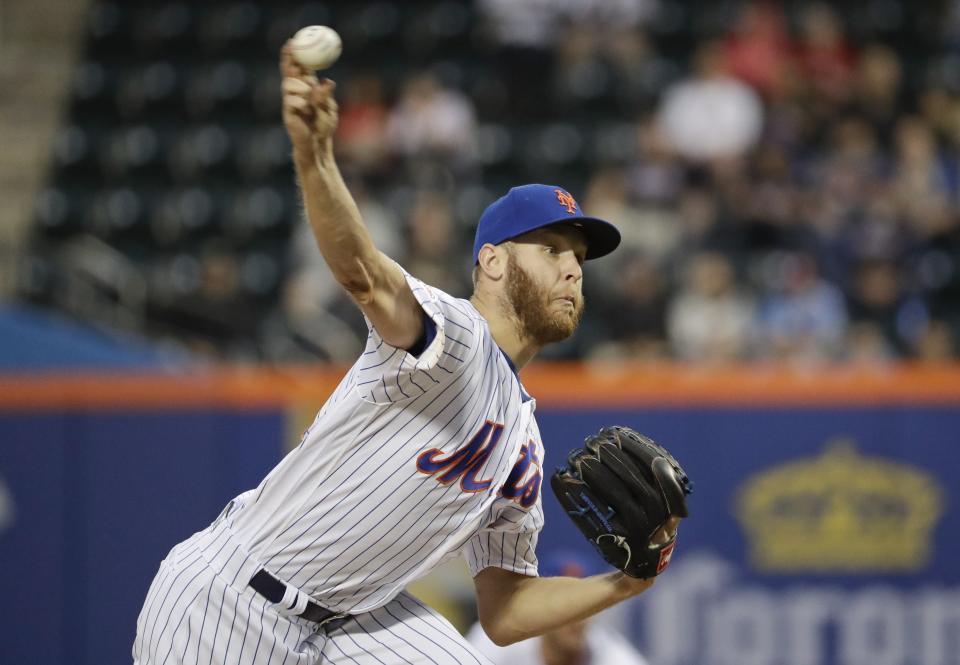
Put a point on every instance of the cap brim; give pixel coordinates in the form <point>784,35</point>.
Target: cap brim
<point>602,236</point>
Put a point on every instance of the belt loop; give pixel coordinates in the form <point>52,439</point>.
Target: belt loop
<point>288,600</point>
<point>294,602</point>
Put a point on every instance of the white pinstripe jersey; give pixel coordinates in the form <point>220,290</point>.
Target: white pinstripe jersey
<point>411,461</point>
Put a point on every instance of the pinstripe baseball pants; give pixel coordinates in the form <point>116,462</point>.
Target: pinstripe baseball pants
<point>200,609</point>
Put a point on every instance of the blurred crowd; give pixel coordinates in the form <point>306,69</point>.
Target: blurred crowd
<point>788,193</point>
<point>786,177</point>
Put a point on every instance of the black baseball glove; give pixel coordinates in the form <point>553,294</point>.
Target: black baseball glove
<point>620,489</point>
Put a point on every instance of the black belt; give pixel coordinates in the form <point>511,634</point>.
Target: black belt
<point>274,590</point>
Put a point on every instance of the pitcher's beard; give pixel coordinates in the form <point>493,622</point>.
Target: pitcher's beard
<point>531,305</point>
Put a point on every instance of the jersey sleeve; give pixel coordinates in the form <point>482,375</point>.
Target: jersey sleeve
<point>386,374</point>
<point>510,542</point>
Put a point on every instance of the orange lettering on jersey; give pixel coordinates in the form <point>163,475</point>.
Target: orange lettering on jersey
<point>566,200</point>
<point>523,486</point>
<point>465,463</point>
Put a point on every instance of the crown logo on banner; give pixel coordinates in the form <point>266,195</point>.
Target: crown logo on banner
<point>840,512</point>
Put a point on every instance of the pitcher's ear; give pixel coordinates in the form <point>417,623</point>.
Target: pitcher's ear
<point>492,261</point>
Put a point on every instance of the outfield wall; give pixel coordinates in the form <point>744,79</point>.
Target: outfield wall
<point>824,528</point>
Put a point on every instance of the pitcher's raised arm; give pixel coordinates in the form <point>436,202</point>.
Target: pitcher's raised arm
<point>371,278</point>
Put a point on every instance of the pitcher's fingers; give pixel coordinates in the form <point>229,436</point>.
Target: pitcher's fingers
<point>322,94</point>
<point>295,86</point>
<point>289,66</point>
<point>297,102</point>
<point>294,115</point>
<point>329,106</point>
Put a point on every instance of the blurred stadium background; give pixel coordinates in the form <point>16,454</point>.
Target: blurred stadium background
<point>785,310</point>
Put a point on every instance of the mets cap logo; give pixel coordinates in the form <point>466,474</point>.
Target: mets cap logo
<point>566,200</point>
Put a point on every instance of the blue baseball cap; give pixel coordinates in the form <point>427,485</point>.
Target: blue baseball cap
<point>530,207</point>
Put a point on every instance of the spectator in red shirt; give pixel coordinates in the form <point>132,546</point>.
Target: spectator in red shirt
<point>825,59</point>
<point>757,51</point>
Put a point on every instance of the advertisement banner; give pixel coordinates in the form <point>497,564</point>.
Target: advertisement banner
<point>816,536</point>
<point>90,503</point>
<point>822,532</point>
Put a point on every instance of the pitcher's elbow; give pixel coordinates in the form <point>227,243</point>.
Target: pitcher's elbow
<point>499,634</point>
<point>357,284</point>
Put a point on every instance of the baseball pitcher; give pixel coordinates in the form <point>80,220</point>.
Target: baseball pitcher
<point>427,450</point>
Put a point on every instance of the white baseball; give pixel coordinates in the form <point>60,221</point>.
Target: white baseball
<point>316,46</point>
